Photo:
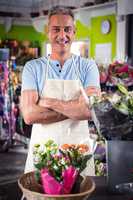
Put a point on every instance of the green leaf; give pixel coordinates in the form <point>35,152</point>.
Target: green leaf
<point>37,175</point>
<point>39,165</point>
<point>84,162</point>
<point>122,89</point>
<point>122,107</point>
<point>37,145</point>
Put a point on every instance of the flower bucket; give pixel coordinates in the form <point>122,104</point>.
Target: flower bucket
<point>33,191</point>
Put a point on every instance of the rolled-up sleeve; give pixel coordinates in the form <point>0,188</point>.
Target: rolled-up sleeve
<point>92,77</point>
<point>29,81</point>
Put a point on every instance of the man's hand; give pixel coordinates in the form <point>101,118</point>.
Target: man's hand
<point>47,102</point>
<point>74,109</point>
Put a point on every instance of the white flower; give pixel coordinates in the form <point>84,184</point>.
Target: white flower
<point>114,98</point>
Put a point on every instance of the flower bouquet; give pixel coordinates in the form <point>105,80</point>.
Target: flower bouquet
<point>113,114</point>
<point>118,69</point>
<point>120,72</point>
<point>58,167</point>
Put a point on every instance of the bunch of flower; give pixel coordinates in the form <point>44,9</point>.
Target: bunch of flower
<point>59,166</point>
<point>118,69</point>
<point>124,102</point>
<point>113,114</point>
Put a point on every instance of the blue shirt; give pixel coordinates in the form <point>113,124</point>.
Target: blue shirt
<point>34,72</point>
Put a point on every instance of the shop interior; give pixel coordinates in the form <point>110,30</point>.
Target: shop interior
<point>103,32</point>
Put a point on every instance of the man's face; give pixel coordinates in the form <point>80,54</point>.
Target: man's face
<point>61,32</point>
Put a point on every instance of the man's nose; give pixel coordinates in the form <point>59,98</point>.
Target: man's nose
<point>62,33</point>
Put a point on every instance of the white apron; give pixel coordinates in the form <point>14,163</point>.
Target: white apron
<point>67,131</point>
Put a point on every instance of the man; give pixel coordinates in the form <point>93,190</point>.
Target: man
<point>51,88</point>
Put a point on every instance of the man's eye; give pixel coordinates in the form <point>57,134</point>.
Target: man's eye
<point>67,29</point>
<point>56,30</point>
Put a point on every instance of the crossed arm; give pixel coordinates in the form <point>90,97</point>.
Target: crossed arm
<point>49,110</point>
<point>34,113</point>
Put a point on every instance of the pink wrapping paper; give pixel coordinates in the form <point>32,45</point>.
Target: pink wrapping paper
<point>53,187</point>
<point>69,178</point>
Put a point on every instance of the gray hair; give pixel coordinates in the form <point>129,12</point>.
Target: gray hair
<point>60,10</point>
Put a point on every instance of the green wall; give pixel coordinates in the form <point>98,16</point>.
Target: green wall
<point>98,38</point>
<point>2,31</point>
<point>22,33</point>
<point>82,31</point>
<point>93,33</point>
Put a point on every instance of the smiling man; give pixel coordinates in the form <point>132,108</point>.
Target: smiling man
<point>51,97</point>
<point>61,32</point>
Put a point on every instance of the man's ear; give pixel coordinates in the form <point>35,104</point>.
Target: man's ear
<point>46,29</point>
<point>74,30</point>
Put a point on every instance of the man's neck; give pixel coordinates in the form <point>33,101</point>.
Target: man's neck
<point>60,57</point>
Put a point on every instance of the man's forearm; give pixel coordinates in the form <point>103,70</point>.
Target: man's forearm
<point>73,109</point>
<point>38,114</point>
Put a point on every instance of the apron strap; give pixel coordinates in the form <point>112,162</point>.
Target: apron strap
<point>47,66</point>
<point>46,74</point>
<point>76,71</point>
<point>74,64</point>
<point>81,85</point>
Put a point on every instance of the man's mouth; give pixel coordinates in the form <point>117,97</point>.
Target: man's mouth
<point>62,42</point>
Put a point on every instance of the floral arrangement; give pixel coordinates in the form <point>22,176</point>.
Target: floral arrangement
<point>57,168</point>
<point>113,114</point>
<point>119,69</point>
<point>120,72</point>
<point>124,101</point>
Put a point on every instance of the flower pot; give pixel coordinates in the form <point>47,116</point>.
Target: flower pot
<point>33,191</point>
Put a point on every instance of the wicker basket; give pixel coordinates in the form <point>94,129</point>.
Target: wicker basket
<point>33,191</point>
